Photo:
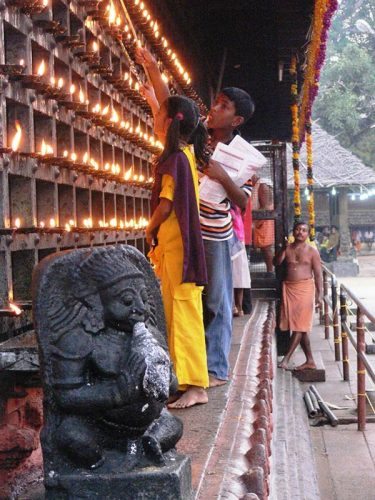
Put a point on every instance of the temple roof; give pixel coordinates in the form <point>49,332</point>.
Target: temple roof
<point>333,165</point>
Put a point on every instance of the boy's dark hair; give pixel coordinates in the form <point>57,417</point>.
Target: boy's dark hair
<point>243,103</point>
<point>300,223</point>
<point>186,125</point>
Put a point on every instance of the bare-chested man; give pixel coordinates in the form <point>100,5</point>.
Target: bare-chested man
<point>301,288</point>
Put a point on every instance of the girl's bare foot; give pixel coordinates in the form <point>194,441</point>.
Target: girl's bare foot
<point>306,366</point>
<point>216,382</point>
<point>174,397</point>
<point>192,396</point>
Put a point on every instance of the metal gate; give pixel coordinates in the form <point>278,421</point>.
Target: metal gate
<point>269,218</point>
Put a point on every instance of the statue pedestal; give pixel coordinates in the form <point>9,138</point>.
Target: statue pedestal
<point>170,482</point>
<point>344,267</point>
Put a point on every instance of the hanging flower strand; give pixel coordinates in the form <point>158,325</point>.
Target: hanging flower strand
<point>323,12</point>
<point>310,179</point>
<point>295,139</point>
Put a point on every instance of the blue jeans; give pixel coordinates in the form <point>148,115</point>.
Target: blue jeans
<point>217,307</point>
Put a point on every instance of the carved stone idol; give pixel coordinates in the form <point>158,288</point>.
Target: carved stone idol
<point>107,376</point>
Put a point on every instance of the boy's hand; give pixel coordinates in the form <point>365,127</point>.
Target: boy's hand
<point>255,178</point>
<point>143,57</point>
<point>215,171</point>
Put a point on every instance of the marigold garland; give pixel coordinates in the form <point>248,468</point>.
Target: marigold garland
<point>323,12</point>
<point>310,179</point>
<point>295,139</point>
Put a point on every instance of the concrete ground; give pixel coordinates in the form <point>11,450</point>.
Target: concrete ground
<point>363,285</point>
<point>344,456</point>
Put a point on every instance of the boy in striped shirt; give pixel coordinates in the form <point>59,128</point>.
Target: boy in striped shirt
<point>231,109</point>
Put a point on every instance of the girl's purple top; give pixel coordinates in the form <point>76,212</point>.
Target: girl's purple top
<point>186,210</point>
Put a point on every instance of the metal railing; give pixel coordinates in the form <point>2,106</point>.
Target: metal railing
<point>343,333</point>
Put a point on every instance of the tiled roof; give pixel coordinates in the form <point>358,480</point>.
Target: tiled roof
<point>333,164</point>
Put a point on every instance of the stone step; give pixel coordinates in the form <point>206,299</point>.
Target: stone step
<point>318,375</point>
<point>293,472</point>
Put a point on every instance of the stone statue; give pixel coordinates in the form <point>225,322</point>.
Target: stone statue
<point>105,365</point>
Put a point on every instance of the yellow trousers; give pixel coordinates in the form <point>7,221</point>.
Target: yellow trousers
<point>183,308</point>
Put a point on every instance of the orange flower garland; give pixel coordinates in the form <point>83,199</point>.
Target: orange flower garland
<point>295,139</point>
<point>323,12</point>
<point>310,180</point>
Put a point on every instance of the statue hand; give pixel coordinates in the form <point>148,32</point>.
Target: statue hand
<point>128,388</point>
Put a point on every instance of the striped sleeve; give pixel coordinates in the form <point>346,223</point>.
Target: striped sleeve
<point>247,187</point>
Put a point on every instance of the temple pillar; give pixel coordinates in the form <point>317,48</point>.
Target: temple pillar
<point>346,264</point>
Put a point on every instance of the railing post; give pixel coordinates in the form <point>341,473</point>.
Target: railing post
<point>344,335</point>
<point>361,371</point>
<point>325,305</point>
<point>335,318</point>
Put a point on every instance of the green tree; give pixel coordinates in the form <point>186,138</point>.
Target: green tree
<point>346,102</point>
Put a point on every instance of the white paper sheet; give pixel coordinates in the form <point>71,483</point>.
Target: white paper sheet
<point>240,160</point>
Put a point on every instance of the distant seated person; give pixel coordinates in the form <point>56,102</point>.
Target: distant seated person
<point>369,238</point>
<point>264,230</point>
<point>329,248</point>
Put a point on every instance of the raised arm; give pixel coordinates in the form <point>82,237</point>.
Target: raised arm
<point>145,58</point>
<point>281,254</point>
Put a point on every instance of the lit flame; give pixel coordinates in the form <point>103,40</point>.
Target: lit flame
<point>60,83</point>
<point>67,227</point>
<point>95,46</point>
<point>22,62</point>
<point>73,156</point>
<point>127,174</point>
<point>94,163</point>
<point>97,108</point>
<point>45,3</point>
<point>46,149</point>
<point>17,223</point>
<point>42,224</point>
<point>105,110</point>
<point>17,138</point>
<point>17,311</point>
<point>112,14</point>
<point>114,117</point>
<point>85,158</point>
<point>72,89</point>
<point>87,222</point>
<point>41,68</point>
<point>113,222</point>
<point>81,96</point>
<point>71,222</point>
<point>52,222</point>
<point>65,154</point>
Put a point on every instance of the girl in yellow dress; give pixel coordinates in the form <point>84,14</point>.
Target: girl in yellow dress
<point>177,246</point>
